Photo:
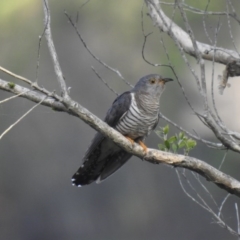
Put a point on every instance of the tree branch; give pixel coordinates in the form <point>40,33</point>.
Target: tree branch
<point>52,50</point>
<point>222,180</point>
<point>165,24</point>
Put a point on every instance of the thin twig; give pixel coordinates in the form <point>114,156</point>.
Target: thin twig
<point>213,67</point>
<point>196,176</point>
<point>24,115</point>
<point>190,31</point>
<point>204,205</point>
<point>15,75</point>
<point>144,44</point>
<point>238,222</point>
<point>186,192</point>
<point>222,204</point>
<point>108,86</point>
<point>203,88</point>
<point>10,98</point>
<point>80,9</point>
<point>93,55</point>
<point>230,28</point>
<point>204,23</point>
<point>39,48</point>
<point>204,12</point>
<point>176,76</point>
<point>199,11</point>
<point>34,85</point>
<point>52,50</point>
<point>223,160</point>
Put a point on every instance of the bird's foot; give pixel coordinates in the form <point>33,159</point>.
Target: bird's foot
<point>145,148</point>
<point>130,140</point>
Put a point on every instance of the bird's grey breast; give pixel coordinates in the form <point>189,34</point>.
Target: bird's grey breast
<point>137,122</point>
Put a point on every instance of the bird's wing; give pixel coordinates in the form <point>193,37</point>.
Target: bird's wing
<point>156,123</point>
<point>104,157</point>
<point>119,107</point>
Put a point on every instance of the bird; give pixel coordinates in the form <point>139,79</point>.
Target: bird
<point>134,114</point>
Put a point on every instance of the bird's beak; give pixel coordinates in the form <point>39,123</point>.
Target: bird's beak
<point>162,81</point>
<point>167,80</point>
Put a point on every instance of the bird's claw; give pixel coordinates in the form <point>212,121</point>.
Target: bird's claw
<point>145,148</point>
<point>130,140</point>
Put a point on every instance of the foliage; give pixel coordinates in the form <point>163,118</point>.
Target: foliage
<point>176,142</point>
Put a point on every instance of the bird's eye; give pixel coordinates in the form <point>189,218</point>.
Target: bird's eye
<point>152,81</point>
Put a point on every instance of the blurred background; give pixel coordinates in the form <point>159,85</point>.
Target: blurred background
<point>40,154</point>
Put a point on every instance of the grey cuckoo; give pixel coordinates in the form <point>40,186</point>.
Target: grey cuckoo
<point>134,114</point>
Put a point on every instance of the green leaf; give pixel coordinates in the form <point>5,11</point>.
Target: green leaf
<point>167,144</point>
<point>191,143</point>
<point>166,129</point>
<point>175,142</point>
<point>11,85</point>
<point>172,139</point>
<point>181,135</point>
<point>181,144</point>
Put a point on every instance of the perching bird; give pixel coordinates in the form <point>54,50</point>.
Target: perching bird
<point>134,114</point>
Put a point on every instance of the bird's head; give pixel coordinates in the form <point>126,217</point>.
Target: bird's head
<point>153,84</point>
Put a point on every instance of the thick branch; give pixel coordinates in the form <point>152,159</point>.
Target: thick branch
<point>224,181</point>
<point>33,95</point>
<point>165,24</point>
